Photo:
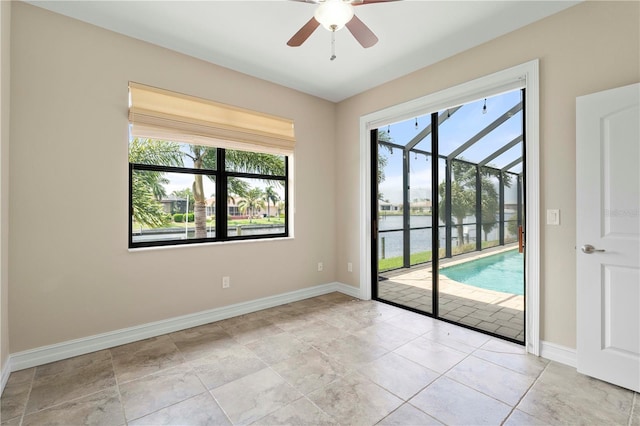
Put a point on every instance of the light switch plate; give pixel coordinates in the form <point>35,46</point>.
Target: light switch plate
<point>553,217</point>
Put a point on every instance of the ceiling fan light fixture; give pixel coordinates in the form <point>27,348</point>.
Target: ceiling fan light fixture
<point>334,14</point>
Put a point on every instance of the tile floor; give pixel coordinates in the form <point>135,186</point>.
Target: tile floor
<point>321,361</point>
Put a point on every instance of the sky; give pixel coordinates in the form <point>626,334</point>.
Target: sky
<point>460,127</point>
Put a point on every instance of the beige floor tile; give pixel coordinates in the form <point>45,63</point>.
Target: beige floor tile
<point>450,334</point>
<point>273,349</point>
<point>350,323</point>
<point>69,379</point>
<point>71,365</point>
<point>255,396</point>
<point>407,415</point>
<point>398,375</point>
<point>13,422</point>
<point>635,417</point>
<point>386,335</point>
<point>431,354</point>
<point>310,370</point>
<point>561,395</point>
<point>355,400</point>
<point>16,392</point>
<point>200,410</point>
<point>336,297</point>
<point>145,357</point>
<point>412,322</point>
<point>198,342</point>
<point>520,418</point>
<point>453,403</point>
<point>370,309</point>
<point>162,389</point>
<point>293,321</point>
<point>522,363</point>
<point>318,333</point>
<point>491,379</point>
<point>352,351</point>
<point>227,364</point>
<point>299,413</point>
<point>101,408</point>
<point>249,331</point>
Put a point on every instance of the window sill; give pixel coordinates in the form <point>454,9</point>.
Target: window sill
<point>211,244</point>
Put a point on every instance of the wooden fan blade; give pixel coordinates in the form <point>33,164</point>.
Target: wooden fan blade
<point>361,32</point>
<point>303,33</point>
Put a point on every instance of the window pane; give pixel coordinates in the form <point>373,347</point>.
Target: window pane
<point>254,162</point>
<point>165,207</point>
<point>174,154</point>
<point>255,207</point>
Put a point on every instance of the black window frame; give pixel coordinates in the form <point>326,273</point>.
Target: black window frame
<point>222,176</point>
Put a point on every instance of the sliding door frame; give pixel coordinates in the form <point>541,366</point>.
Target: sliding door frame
<point>522,76</point>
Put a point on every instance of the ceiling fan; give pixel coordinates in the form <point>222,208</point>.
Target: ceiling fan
<point>333,15</point>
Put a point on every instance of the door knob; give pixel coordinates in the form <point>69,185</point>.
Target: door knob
<point>588,249</point>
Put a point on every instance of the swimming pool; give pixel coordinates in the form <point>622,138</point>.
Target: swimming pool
<point>500,272</point>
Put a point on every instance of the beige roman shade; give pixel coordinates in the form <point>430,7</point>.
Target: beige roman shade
<point>162,114</point>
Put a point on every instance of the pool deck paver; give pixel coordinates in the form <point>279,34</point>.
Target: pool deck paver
<point>488,310</point>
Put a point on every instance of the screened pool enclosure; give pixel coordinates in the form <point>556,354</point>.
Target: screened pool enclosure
<point>474,153</point>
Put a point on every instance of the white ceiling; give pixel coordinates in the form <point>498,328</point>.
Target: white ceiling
<point>251,36</point>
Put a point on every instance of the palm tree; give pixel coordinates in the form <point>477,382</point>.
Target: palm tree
<point>253,200</point>
<point>147,187</point>
<point>463,197</point>
<point>202,157</point>
<point>270,195</point>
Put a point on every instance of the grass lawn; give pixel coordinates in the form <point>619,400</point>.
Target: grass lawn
<point>425,256</point>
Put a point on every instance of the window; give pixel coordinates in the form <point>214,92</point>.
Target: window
<point>189,185</point>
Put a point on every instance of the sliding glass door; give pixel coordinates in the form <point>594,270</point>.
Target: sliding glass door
<point>402,205</point>
<point>474,154</point>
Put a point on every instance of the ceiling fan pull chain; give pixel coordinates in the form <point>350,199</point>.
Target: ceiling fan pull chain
<point>333,45</point>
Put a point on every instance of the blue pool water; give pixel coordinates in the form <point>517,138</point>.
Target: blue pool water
<point>501,272</point>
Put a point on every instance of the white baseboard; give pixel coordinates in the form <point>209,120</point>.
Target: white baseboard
<point>558,353</point>
<point>71,348</point>
<point>4,374</point>
<point>349,290</point>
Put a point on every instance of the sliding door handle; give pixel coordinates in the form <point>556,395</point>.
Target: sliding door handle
<point>520,239</point>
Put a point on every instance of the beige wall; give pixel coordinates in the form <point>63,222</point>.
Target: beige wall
<point>588,48</point>
<point>71,273</point>
<point>5,68</point>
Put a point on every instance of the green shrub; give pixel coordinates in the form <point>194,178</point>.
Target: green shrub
<point>190,217</point>
<point>178,217</point>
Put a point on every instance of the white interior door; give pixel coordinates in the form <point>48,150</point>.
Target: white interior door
<point>608,235</point>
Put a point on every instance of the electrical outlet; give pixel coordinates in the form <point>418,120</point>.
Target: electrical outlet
<point>349,267</point>
<point>226,282</point>
<point>320,267</point>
